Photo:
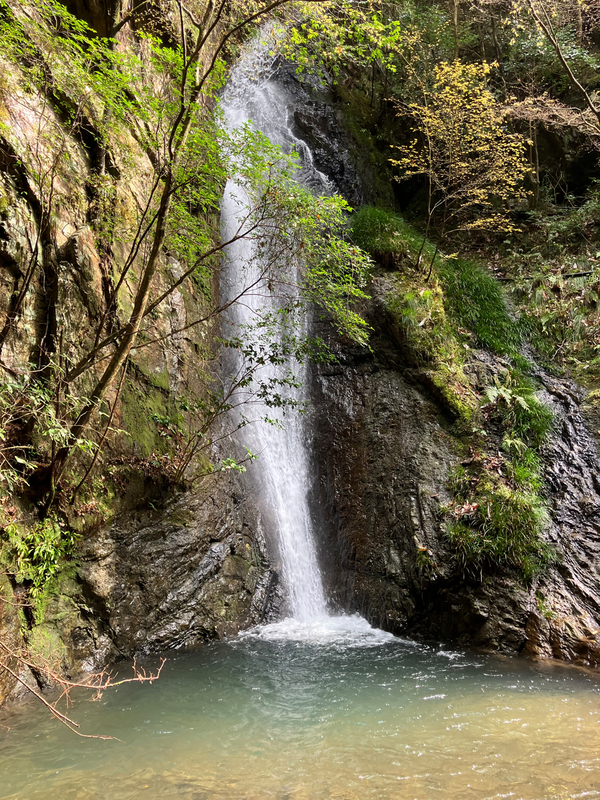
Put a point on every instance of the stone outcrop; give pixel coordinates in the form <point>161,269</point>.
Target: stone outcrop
<point>385,447</point>
<point>176,572</point>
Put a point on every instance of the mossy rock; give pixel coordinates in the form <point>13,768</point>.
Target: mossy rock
<point>137,409</point>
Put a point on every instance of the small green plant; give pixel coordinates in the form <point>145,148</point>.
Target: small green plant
<point>33,555</point>
<point>501,527</point>
<point>34,423</point>
<point>426,562</point>
<point>544,607</point>
<point>420,313</point>
<point>528,420</point>
<point>524,467</point>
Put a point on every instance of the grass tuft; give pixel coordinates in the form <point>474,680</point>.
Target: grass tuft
<point>472,297</point>
<point>477,302</point>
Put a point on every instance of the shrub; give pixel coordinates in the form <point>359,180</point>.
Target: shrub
<point>504,529</point>
<point>499,512</point>
<point>34,554</point>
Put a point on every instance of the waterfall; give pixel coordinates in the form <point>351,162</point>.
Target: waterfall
<point>283,464</point>
<point>283,468</point>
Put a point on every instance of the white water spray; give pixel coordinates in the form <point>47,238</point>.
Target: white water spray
<point>283,466</point>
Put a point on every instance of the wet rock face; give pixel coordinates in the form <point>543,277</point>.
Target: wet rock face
<point>99,14</point>
<point>314,119</point>
<point>384,451</point>
<point>383,460</point>
<point>10,638</point>
<point>192,570</point>
<point>382,466</point>
<point>565,620</point>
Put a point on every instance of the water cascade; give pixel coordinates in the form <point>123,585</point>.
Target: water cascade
<point>318,705</point>
<point>253,95</point>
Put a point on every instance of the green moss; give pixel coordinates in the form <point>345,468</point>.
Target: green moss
<point>46,647</point>
<point>418,310</point>
<point>137,408</point>
<point>473,299</point>
<point>183,517</point>
<point>457,393</point>
<point>159,380</point>
<point>54,601</point>
<point>380,232</point>
<point>419,313</point>
<point>443,375</point>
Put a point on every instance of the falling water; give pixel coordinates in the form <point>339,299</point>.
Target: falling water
<point>283,466</point>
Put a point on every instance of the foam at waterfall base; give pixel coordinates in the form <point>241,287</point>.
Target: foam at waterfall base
<point>341,631</point>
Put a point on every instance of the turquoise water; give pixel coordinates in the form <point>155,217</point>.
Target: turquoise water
<point>278,717</point>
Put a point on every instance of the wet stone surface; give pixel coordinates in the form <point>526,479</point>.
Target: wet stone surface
<point>384,451</point>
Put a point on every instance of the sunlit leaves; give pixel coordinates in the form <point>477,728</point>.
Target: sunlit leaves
<point>474,165</point>
<point>288,224</point>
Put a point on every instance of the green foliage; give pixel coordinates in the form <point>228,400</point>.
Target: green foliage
<point>381,45</point>
<point>152,104</point>
<point>461,299</point>
<point>425,562</point>
<point>529,47</point>
<point>528,420</point>
<point>34,555</point>
<point>419,311</point>
<point>329,36</point>
<point>505,531</point>
<point>474,167</point>
<point>544,607</point>
<point>576,222</point>
<point>563,312</point>
<point>498,512</point>
<point>271,341</point>
<point>524,468</point>
<point>478,304</point>
<point>33,407</point>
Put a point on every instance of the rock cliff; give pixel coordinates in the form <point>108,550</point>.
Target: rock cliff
<point>386,446</point>
<point>155,566</point>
